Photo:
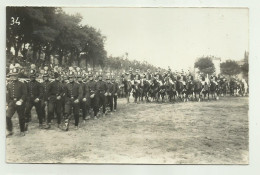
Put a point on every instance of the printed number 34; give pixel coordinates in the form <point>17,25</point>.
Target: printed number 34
<point>15,21</point>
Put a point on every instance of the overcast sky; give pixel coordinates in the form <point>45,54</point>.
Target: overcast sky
<point>172,37</point>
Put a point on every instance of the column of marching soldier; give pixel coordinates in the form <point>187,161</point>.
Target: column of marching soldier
<point>65,99</point>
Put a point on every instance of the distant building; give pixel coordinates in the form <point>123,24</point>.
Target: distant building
<point>216,62</point>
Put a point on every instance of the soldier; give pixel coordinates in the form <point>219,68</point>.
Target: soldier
<point>131,75</point>
<point>54,93</point>
<point>101,90</point>
<point>44,103</point>
<point>73,96</point>
<point>148,75</point>
<point>91,96</point>
<point>82,102</point>
<point>64,81</point>
<point>34,91</point>
<point>15,100</point>
<point>110,94</point>
<point>116,91</point>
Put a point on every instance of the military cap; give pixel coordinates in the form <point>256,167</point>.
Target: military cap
<point>71,74</point>
<point>32,73</point>
<point>45,74</point>
<point>79,75</point>
<point>13,71</point>
<point>56,75</point>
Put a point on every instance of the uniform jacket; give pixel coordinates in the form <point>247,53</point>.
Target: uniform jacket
<point>16,90</point>
<point>73,91</point>
<point>34,90</point>
<point>110,88</point>
<point>45,86</point>
<point>101,87</point>
<point>55,89</point>
<point>90,88</point>
<point>116,87</point>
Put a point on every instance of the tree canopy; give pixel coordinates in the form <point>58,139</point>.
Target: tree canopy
<point>40,33</point>
<point>205,65</point>
<point>230,68</point>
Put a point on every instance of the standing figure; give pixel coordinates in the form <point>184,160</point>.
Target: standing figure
<point>91,96</point>
<point>73,96</point>
<point>44,103</point>
<point>101,90</point>
<point>116,91</point>
<point>82,103</point>
<point>34,96</point>
<point>15,99</point>
<point>110,94</point>
<point>54,93</point>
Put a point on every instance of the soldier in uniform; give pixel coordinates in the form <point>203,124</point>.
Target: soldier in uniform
<point>148,75</point>
<point>35,94</point>
<point>45,84</point>
<point>54,93</point>
<point>101,90</point>
<point>91,96</point>
<point>15,100</point>
<point>73,96</point>
<point>110,94</point>
<point>82,102</point>
<point>116,91</point>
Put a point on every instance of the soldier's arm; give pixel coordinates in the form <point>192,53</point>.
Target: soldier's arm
<point>7,94</point>
<point>80,93</point>
<point>87,91</point>
<point>24,91</point>
<point>48,90</point>
<point>40,86</point>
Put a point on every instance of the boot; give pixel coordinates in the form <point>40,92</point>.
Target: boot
<point>22,134</point>
<point>9,133</point>
<point>66,125</point>
<point>26,127</point>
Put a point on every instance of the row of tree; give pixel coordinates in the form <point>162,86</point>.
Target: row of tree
<point>42,33</point>
<point>229,67</point>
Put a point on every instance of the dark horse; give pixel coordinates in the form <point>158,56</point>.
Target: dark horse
<point>154,90</point>
<point>127,88</point>
<point>213,88</point>
<point>197,89</point>
<point>170,87</point>
<point>180,90</point>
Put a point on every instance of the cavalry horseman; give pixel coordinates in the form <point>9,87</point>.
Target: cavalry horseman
<point>15,100</point>
<point>55,92</point>
<point>34,98</point>
<point>73,96</point>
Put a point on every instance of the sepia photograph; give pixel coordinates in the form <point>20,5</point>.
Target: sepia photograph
<point>132,85</point>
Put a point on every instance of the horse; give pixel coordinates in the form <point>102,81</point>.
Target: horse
<point>205,90</point>
<point>197,89</point>
<point>213,88</point>
<point>162,90</point>
<point>170,89</point>
<point>144,85</point>
<point>127,88</point>
<point>136,91</point>
<point>153,90</point>
<point>190,86</point>
<point>180,90</point>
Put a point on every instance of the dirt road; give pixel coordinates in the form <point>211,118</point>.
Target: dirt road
<point>214,132</point>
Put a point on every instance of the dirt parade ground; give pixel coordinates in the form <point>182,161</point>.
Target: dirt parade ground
<point>214,132</point>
